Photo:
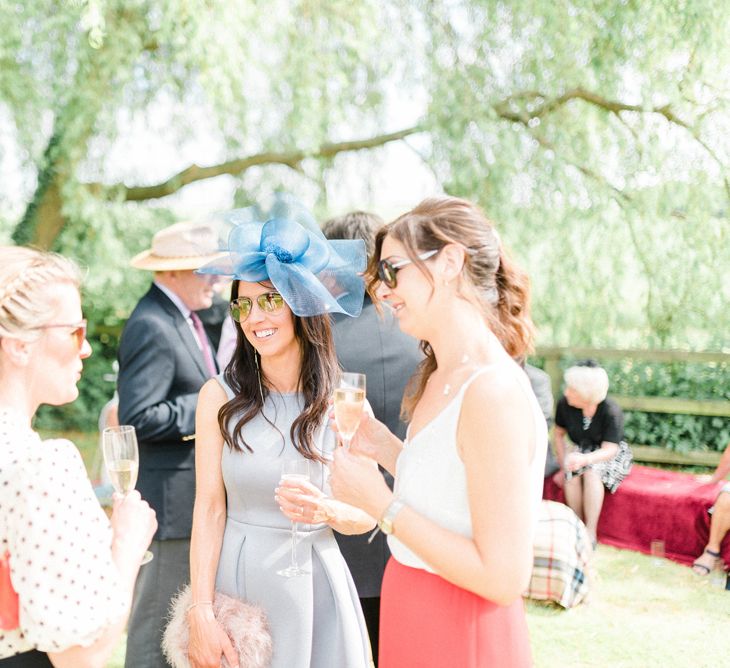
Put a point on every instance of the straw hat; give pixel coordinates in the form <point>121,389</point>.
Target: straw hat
<point>182,246</point>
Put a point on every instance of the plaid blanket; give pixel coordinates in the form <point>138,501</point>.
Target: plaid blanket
<point>562,553</point>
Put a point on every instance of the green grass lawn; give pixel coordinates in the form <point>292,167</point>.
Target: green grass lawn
<point>639,614</point>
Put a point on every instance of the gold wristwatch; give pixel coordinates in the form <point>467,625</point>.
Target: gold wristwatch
<point>386,521</point>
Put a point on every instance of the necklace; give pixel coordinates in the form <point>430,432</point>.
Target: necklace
<point>447,387</point>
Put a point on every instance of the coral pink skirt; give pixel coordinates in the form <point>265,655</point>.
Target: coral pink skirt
<point>427,622</point>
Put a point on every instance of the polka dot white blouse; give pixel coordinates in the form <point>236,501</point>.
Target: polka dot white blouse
<point>59,541</point>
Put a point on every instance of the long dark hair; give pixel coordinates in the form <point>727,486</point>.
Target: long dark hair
<point>317,378</point>
<point>499,288</point>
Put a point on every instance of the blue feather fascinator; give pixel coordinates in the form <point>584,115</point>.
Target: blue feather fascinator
<point>285,246</point>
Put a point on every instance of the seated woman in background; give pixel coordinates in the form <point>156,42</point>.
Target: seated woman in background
<point>595,424</point>
<point>72,572</point>
<point>719,516</point>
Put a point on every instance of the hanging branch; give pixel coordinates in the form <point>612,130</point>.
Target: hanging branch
<point>292,159</point>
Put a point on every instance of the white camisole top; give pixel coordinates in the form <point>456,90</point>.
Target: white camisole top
<point>431,478</point>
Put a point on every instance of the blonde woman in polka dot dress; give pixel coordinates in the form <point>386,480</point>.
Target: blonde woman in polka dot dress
<point>73,570</point>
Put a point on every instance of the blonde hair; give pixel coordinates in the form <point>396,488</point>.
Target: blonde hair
<point>25,275</point>
<point>590,382</point>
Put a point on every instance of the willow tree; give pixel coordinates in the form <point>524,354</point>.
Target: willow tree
<point>597,134</point>
<point>593,133</point>
<point>264,75</point>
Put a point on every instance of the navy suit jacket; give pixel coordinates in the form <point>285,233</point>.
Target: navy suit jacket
<point>374,345</point>
<point>161,370</point>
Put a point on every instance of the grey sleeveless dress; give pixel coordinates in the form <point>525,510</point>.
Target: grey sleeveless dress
<point>315,619</point>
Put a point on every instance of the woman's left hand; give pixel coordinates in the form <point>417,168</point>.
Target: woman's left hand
<point>302,502</point>
<point>575,461</point>
<point>354,479</point>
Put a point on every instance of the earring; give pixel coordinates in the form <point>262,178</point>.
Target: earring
<point>258,375</point>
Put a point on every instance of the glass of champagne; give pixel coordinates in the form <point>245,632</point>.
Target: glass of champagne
<point>294,469</point>
<point>349,401</point>
<point>121,457</point>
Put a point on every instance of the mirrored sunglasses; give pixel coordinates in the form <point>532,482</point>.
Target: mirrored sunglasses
<point>387,270</point>
<point>269,302</point>
<point>78,331</point>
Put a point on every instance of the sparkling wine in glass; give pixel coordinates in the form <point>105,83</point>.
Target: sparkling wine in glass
<point>123,474</point>
<point>294,469</point>
<point>121,457</point>
<point>349,402</point>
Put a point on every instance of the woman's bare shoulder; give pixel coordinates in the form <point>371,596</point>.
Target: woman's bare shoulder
<point>212,392</point>
<point>500,384</point>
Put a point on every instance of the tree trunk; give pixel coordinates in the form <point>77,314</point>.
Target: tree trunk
<point>43,219</point>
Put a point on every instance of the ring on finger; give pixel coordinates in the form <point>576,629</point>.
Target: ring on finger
<point>301,510</point>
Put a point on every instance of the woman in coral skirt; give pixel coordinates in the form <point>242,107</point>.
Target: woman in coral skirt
<point>468,479</point>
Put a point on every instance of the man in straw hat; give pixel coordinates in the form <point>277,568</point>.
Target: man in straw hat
<point>164,359</point>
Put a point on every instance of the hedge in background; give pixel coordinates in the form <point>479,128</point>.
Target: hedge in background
<point>691,381</point>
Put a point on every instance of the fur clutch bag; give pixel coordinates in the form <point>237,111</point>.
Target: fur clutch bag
<point>245,624</point>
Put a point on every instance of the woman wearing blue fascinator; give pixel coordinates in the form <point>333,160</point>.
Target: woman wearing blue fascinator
<point>262,447</point>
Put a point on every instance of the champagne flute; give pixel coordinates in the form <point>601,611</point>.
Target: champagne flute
<point>349,402</point>
<point>294,469</point>
<point>121,457</point>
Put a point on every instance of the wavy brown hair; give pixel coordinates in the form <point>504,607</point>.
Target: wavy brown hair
<point>317,378</point>
<point>492,281</point>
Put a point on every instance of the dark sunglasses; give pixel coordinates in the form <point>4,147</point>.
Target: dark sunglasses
<point>269,302</point>
<point>387,270</point>
<point>78,331</point>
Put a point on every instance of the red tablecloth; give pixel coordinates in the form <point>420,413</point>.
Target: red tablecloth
<point>652,504</point>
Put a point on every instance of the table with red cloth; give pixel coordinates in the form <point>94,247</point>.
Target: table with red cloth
<point>653,504</point>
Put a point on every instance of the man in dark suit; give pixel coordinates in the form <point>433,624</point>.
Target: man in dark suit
<point>374,345</point>
<point>164,359</point>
